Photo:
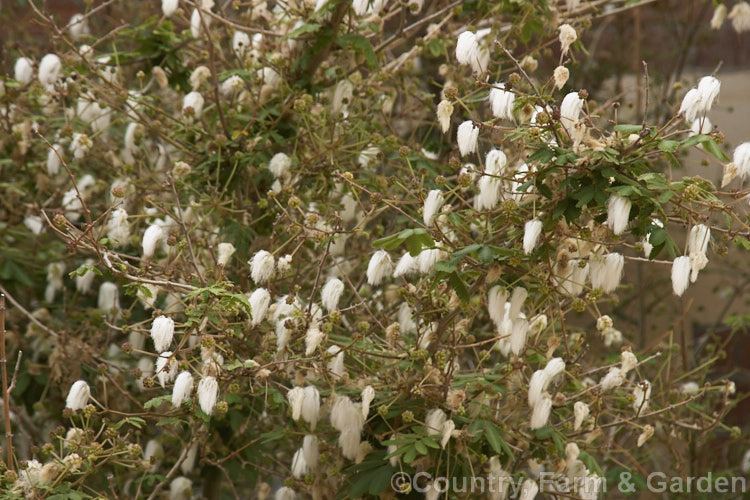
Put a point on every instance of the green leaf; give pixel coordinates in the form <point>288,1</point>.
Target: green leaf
<point>542,155</point>
<point>713,148</point>
<point>157,401</point>
<point>420,447</point>
<point>668,146</point>
<point>628,129</point>
<point>459,287</point>
<point>305,28</point>
<point>360,45</point>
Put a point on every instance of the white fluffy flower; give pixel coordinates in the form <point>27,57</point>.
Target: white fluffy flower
<point>518,335</point>
<point>296,397</point>
<point>183,387</point>
<point>561,76</point>
<point>310,410</point>
<point>427,259</point>
<point>467,136</point>
<point>618,213</point>
<point>162,333</point>
<point>540,412</point>
<point>225,252</point>
<point>49,70</point>
<point>628,362</point>
<point>501,101</point>
<point>567,37</point>
<point>495,162</point>
<point>496,300</point>
<point>606,271</point>
<point>368,394</point>
<point>700,236</point>
<point>489,193</point>
<point>78,396</point>
<point>367,155</point>
<point>208,392</point>
<point>109,298</point>
<point>151,238</point>
<point>313,337</point>
<point>680,274</point>
<point>180,488</point>
<point>719,16</point>
<point>379,267</point>
<point>701,126</point>
<point>467,48</point>
<point>691,105</point>
<point>240,43</point>
<point>78,26</point>
<point>55,271</point>
<point>331,294</point>
<point>169,7</point>
<point>690,388</point>
<point>117,226</point>
<point>299,465</point>
<point>532,230</point>
<point>740,17</point>
<point>444,113</point>
<point>432,205</point>
<point>336,362</point>
<point>709,88</point>
<point>285,493</point>
<point>259,300</point>
<point>570,110</point>
<point>262,266</point>
<point>406,265</point>
<point>279,165</point>
<point>23,70</point>
<point>434,421</point>
<point>166,368</point>
<point>310,450</point>
<point>741,161</point>
<point>53,159</point>
<point>199,76</point>
<point>613,378</point>
<point>580,411</point>
<point>517,298</point>
<point>193,101</point>
<point>34,224</point>
<point>196,26</point>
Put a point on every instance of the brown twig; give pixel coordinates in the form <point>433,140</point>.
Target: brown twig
<point>6,392</point>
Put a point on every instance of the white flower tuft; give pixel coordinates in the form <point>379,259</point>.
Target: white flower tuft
<point>84,282</point>
<point>310,410</point>
<point>162,333</point>
<point>49,70</point>
<point>406,265</point>
<point>448,427</point>
<point>466,137</point>
<point>262,267</point>
<point>78,396</point>
<point>279,165</point>
<point>336,363</point>
<point>299,465</point>
<point>225,252</point>
<point>379,267</point>
<point>740,17</point>
<point>346,417</point>
<point>613,378</point>
<point>501,101</point>
<point>690,388</point>
<point>700,236</point>
<point>719,16</point>
<point>540,412</point>
<point>199,76</point>
<point>183,387</point>
<point>432,205</point>
<point>208,392</point>
<point>618,213</point>
<point>23,70</point>
<point>570,110</point>
<point>259,300</point>
<point>532,230</point>
<point>680,275</point>
<point>628,362</point>
<point>313,338</point>
<point>467,48</point>
<point>169,7</point>
<point>151,238</point>
<point>561,76</point>
<point>434,421</point>
<point>296,397</point>
<point>193,101</point>
<point>368,394</point>
<point>606,271</point>
<point>495,162</point>
<point>709,88</point>
<point>166,368</point>
<point>310,450</point>
<point>496,300</point>
<point>331,294</point>
<point>109,297</point>
<point>285,493</point>
<point>181,488</point>
<point>691,105</point>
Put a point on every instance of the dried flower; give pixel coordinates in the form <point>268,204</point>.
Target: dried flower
<point>648,431</point>
<point>641,397</point>
<point>613,378</point>
<point>225,252</point>
<point>199,76</point>
<point>567,37</point>
<point>444,113</point>
<point>78,396</point>
<point>279,165</point>
<point>580,411</point>
<point>561,76</point>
